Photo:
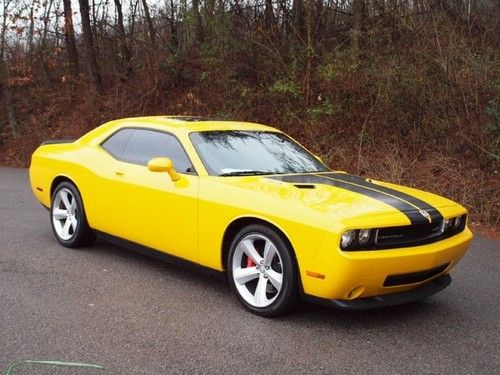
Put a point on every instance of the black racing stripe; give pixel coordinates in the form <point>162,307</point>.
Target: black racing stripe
<point>407,209</point>
<point>422,205</point>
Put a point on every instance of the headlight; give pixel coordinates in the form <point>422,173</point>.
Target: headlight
<point>454,225</point>
<point>355,239</point>
<point>347,238</point>
<point>363,237</point>
<point>447,223</point>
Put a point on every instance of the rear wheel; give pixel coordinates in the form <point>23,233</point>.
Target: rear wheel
<point>261,271</point>
<point>67,217</point>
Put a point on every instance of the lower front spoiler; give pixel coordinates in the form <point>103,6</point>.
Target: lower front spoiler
<point>386,300</point>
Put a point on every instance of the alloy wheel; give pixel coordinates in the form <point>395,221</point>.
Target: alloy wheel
<point>65,214</point>
<point>257,270</point>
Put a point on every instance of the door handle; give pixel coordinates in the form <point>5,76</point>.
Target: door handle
<point>119,173</point>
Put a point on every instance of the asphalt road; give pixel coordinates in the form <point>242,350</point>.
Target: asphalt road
<point>137,315</point>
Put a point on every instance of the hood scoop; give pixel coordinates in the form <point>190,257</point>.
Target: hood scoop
<point>305,186</point>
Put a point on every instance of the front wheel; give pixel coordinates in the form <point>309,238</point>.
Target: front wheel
<point>261,271</point>
<point>67,217</point>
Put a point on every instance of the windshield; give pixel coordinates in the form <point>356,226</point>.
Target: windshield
<point>226,153</point>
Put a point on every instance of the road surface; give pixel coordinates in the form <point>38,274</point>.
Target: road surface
<point>138,315</point>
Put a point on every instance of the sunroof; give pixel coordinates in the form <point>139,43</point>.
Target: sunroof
<point>189,118</point>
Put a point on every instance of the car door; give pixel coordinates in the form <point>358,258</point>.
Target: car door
<point>147,207</point>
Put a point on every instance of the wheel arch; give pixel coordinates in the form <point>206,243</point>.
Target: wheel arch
<point>85,235</point>
<point>239,223</point>
<point>57,180</point>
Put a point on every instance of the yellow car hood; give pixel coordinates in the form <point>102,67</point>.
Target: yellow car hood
<point>346,197</point>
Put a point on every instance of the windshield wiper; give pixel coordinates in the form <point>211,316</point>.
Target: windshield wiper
<point>245,173</point>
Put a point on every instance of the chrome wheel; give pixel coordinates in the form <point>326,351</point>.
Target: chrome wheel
<point>257,270</point>
<point>65,214</point>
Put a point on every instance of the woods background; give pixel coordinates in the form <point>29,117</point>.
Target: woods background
<point>401,90</point>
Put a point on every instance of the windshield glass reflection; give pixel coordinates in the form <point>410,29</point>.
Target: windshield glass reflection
<point>252,153</point>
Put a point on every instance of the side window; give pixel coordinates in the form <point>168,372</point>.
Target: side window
<point>147,144</point>
<point>116,144</point>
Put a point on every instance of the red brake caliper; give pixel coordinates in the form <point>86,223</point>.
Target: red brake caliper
<point>250,262</point>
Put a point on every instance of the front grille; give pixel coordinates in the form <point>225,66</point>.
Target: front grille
<point>407,235</point>
<point>413,235</point>
<point>415,277</point>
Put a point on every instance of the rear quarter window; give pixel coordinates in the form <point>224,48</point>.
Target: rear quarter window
<point>138,146</point>
<point>117,143</point>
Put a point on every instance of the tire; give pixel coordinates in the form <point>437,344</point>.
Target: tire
<point>67,217</point>
<point>262,271</point>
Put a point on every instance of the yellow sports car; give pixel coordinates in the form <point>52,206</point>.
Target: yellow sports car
<point>247,200</point>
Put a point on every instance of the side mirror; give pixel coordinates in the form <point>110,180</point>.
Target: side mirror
<point>163,165</point>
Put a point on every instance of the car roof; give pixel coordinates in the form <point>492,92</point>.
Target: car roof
<point>191,123</point>
<point>179,125</point>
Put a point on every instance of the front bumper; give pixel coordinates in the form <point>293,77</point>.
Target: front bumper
<point>416,294</point>
<point>356,275</point>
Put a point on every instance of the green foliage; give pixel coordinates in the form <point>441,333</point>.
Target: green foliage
<point>408,76</point>
<point>328,72</point>
<point>337,63</point>
<point>326,108</point>
<point>204,75</point>
<point>286,87</point>
<point>245,91</point>
<point>493,127</point>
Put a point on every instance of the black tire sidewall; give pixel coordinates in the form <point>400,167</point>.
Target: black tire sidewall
<point>288,293</point>
<point>82,233</point>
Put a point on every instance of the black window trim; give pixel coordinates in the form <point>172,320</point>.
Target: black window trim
<point>194,172</point>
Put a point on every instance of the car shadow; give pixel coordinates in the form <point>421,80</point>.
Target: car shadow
<point>305,314</point>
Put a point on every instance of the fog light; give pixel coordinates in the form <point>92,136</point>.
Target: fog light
<point>363,236</point>
<point>355,293</point>
<point>347,238</point>
<point>457,222</point>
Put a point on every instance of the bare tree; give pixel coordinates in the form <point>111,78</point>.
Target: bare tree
<point>309,51</point>
<point>173,25</point>
<point>198,26</point>
<point>94,75</point>
<point>125,56</point>
<point>5,90</point>
<point>269,15</point>
<point>69,34</point>
<point>298,18</point>
<point>357,10</point>
<point>43,46</point>
<point>31,30</point>
<point>149,21</point>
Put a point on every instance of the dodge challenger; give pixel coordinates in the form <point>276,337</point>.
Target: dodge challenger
<point>248,201</point>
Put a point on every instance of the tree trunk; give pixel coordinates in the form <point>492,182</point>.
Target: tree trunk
<point>43,47</point>
<point>125,56</point>
<point>309,52</point>
<point>5,92</point>
<point>198,27</point>
<point>6,97</point>
<point>149,21</point>
<point>269,15</point>
<point>173,26</point>
<point>95,77</point>
<point>357,10</point>
<point>298,22</point>
<point>31,32</point>
<point>318,19</point>
<point>69,34</point>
